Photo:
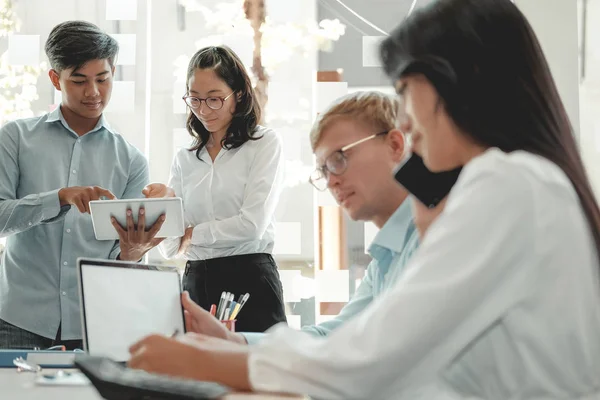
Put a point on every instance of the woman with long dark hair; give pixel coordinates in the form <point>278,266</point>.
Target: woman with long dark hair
<point>230,181</point>
<point>502,300</point>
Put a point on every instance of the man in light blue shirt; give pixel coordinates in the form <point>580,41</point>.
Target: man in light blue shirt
<point>357,149</point>
<point>50,169</point>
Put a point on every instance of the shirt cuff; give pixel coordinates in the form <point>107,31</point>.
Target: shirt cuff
<point>253,338</point>
<point>50,204</point>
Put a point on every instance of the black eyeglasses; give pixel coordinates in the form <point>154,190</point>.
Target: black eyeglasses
<point>214,103</point>
<point>336,163</point>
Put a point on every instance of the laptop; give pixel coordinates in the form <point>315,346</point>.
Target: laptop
<point>123,302</point>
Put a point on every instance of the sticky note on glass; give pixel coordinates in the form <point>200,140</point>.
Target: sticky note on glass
<point>294,321</point>
<point>370,50</point>
<point>122,100</point>
<point>370,233</point>
<point>288,11</point>
<point>123,10</point>
<point>292,143</point>
<point>288,238</point>
<point>327,92</point>
<point>333,285</point>
<point>127,48</point>
<point>242,45</point>
<point>24,49</point>
<point>290,280</point>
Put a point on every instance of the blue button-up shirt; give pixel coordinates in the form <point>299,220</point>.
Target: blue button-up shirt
<point>391,249</point>
<point>38,157</point>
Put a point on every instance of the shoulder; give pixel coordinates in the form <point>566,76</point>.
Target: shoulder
<point>266,137</point>
<point>22,126</point>
<point>513,174</point>
<point>124,147</point>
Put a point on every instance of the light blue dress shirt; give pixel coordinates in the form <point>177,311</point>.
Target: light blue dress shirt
<point>391,249</point>
<point>38,157</point>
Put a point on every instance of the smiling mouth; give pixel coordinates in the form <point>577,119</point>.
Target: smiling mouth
<point>94,105</point>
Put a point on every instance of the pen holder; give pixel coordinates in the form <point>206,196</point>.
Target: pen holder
<point>229,324</point>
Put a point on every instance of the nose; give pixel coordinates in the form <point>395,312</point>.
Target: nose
<point>333,180</point>
<point>204,109</point>
<point>91,90</point>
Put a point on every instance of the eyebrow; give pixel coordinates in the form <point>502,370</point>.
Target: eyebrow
<point>80,75</point>
<point>210,91</point>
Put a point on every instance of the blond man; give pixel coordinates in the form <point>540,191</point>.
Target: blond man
<point>357,148</point>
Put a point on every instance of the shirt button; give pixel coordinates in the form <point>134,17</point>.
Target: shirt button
<point>65,263</point>
<point>68,231</point>
<point>29,224</point>
<point>74,171</point>
<point>64,293</point>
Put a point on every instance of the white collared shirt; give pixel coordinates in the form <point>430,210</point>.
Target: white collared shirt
<point>230,202</point>
<point>501,301</point>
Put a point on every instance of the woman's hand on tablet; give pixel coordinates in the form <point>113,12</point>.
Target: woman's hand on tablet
<point>157,190</point>
<point>135,241</point>
<point>198,320</point>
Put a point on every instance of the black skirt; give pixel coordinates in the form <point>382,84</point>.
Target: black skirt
<point>256,274</point>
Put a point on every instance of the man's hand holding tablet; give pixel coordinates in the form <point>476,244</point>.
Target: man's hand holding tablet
<point>136,240</point>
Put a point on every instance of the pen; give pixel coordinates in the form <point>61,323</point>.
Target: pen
<point>231,309</point>
<point>223,297</point>
<point>213,310</point>
<point>225,305</point>
<point>235,312</point>
<point>244,300</point>
<point>226,316</point>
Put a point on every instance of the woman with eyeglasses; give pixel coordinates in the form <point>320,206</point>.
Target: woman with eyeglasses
<point>230,181</point>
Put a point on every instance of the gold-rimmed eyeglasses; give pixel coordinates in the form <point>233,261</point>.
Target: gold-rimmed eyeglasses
<point>336,163</point>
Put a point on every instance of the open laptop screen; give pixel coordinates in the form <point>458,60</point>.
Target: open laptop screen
<point>123,302</point>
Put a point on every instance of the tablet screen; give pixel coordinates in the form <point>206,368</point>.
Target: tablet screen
<point>121,305</point>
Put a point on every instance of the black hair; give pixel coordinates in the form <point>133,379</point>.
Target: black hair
<point>493,79</point>
<point>71,44</point>
<point>228,66</point>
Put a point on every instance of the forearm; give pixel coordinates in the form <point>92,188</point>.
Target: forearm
<point>226,365</point>
<point>21,214</point>
<point>226,233</point>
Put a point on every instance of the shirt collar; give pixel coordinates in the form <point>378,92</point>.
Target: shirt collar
<point>393,233</point>
<point>57,115</point>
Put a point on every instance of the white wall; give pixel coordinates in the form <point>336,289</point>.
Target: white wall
<point>555,23</point>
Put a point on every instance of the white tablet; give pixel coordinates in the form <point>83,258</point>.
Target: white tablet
<point>103,210</point>
<point>123,302</point>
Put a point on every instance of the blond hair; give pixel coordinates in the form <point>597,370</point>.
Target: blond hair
<point>371,108</point>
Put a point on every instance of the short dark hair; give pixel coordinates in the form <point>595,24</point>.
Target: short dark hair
<point>228,66</point>
<point>71,44</point>
<point>492,77</point>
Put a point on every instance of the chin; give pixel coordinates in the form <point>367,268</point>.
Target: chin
<point>91,113</point>
<point>356,214</point>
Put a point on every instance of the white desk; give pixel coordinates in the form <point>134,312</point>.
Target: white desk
<point>21,386</point>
